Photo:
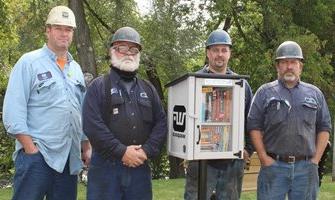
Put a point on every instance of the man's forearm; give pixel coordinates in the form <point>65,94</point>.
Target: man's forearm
<point>321,143</point>
<point>257,139</point>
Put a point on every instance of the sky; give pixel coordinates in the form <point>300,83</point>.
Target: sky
<point>144,6</point>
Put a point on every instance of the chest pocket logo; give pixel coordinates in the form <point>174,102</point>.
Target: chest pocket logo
<point>46,92</point>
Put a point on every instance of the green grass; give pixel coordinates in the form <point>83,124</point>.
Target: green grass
<point>174,189</point>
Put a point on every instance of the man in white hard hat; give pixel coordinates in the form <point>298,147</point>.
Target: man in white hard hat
<point>42,111</point>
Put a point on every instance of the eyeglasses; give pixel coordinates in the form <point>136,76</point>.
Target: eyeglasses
<point>124,49</point>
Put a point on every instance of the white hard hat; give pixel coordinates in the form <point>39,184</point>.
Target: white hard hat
<point>61,15</point>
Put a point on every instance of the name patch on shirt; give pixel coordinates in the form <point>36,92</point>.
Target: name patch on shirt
<point>44,76</point>
<point>115,111</point>
<point>310,100</point>
<point>114,91</point>
<point>143,95</point>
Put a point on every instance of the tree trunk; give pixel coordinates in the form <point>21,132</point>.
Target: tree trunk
<point>152,75</point>
<point>82,39</point>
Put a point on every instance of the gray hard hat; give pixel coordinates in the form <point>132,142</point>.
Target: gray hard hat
<point>218,37</point>
<point>126,34</point>
<point>289,49</point>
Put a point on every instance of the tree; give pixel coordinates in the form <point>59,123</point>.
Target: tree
<point>83,39</point>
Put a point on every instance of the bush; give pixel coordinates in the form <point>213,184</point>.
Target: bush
<point>6,150</point>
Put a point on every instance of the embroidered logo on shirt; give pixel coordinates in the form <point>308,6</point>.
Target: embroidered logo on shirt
<point>70,74</point>
<point>114,91</point>
<point>143,95</point>
<point>44,76</point>
<point>310,100</point>
<point>115,111</point>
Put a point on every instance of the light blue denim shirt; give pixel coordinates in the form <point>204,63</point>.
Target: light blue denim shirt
<point>45,102</point>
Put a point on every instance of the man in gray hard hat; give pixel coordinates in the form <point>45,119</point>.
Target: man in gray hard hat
<point>289,124</point>
<point>42,111</point>
<point>224,177</point>
<point>126,124</point>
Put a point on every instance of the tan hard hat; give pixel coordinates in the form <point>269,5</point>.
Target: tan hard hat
<point>61,15</point>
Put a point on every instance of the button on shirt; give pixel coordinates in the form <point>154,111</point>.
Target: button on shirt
<point>289,119</point>
<point>44,102</point>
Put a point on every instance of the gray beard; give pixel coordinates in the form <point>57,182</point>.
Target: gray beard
<point>125,64</point>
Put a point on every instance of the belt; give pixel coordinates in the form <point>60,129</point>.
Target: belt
<point>287,158</point>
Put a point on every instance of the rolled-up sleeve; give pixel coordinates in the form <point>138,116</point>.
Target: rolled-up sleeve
<point>16,99</point>
<point>323,122</point>
<point>255,118</point>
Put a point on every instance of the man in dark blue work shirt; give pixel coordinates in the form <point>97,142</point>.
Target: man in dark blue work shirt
<point>224,176</point>
<point>289,124</point>
<point>125,123</point>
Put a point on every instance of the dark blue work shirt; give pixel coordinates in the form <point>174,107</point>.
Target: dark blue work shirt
<point>136,118</point>
<point>221,163</point>
<point>289,118</point>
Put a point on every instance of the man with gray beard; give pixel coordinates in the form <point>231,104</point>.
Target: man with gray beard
<point>289,124</point>
<point>126,124</point>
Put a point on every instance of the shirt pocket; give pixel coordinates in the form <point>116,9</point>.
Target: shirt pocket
<point>309,111</point>
<point>275,112</point>
<point>47,92</point>
<point>146,109</point>
<point>80,90</point>
<point>117,108</point>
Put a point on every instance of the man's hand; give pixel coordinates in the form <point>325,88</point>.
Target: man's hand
<point>266,160</point>
<point>246,158</point>
<point>86,152</point>
<point>28,145</point>
<point>141,154</point>
<point>134,156</point>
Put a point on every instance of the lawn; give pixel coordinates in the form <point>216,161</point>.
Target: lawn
<point>173,190</point>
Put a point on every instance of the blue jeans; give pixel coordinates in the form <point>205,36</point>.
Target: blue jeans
<point>111,180</point>
<point>296,181</point>
<point>226,182</point>
<point>34,180</point>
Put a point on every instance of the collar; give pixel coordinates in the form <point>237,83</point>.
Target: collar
<point>53,56</point>
<point>116,77</point>
<point>282,83</point>
<point>207,70</point>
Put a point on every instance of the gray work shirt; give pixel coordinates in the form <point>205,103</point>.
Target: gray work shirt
<point>289,119</point>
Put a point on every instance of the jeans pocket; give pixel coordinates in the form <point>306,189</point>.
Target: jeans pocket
<point>30,154</point>
<point>313,164</point>
<point>275,163</point>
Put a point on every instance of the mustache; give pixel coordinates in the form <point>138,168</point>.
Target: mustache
<point>126,58</point>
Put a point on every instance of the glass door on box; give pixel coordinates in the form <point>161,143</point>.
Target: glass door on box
<point>216,118</point>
